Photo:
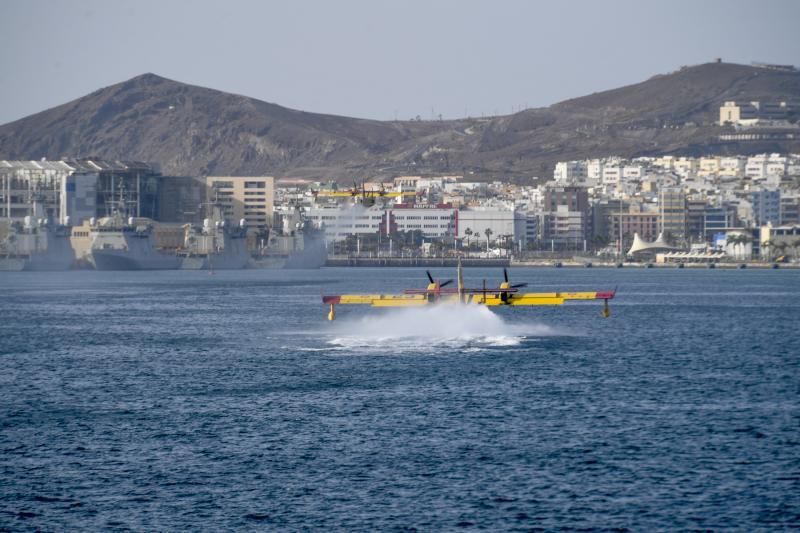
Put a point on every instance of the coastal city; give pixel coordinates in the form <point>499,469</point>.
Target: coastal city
<point>101,214</point>
<point>400,266</point>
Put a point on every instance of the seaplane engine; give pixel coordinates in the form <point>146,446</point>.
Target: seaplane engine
<point>505,295</point>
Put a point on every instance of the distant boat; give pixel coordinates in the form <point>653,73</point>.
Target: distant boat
<point>36,245</point>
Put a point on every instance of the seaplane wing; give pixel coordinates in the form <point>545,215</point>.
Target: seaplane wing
<point>377,300</point>
<point>437,292</point>
<point>503,297</point>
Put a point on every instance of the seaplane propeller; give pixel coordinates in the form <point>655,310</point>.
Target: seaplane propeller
<point>506,286</point>
<point>512,286</point>
<point>433,281</point>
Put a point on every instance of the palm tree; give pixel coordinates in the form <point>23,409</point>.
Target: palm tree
<point>468,233</point>
<point>488,233</point>
<point>733,241</point>
<point>599,241</point>
<point>781,246</point>
<point>795,245</point>
<point>738,239</point>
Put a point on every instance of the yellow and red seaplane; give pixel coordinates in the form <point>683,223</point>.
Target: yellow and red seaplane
<point>439,292</point>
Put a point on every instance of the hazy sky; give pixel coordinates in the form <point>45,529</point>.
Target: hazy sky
<point>378,59</point>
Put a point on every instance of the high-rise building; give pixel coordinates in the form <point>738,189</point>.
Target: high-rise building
<point>567,217</point>
<point>766,206</point>
<point>575,198</point>
<point>673,213</point>
<point>563,229</point>
<point>790,209</point>
<point>646,224</point>
<point>603,217</point>
<point>718,220</point>
<point>239,197</point>
<point>695,215</point>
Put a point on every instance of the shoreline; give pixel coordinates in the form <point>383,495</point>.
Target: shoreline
<point>412,262</point>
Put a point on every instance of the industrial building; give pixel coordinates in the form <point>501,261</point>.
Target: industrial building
<point>73,190</point>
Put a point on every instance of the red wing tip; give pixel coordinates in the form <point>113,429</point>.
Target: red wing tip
<point>607,295</point>
<point>331,299</point>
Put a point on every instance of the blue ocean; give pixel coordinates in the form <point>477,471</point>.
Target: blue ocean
<point>186,401</point>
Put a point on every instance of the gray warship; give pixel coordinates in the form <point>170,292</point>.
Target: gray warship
<point>128,244</point>
<point>215,246</point>
<point>36,244</point>
<point>294,243</point>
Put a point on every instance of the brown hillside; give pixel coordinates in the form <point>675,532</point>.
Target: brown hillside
<point>191,130</point>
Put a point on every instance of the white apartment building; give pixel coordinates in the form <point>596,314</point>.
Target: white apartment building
<point>685,166</point>
<point>756,167</point>
<point>633,172</point>
<point>732,166</point>
<point>435,221</point>
<point>708,166</point>
<point>750,113</point>
<point>501,221</point>
<point>666,162</point>
<point>570,172</point>
<point>760,166</point>
<point>776,165</point>
<point>793,166</point>
<point>612,174</point>
<point>594,169</point>
<point>339,222</point>
<point>407,182</point>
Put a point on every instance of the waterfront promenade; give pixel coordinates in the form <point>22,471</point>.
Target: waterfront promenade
<point>565,262</point>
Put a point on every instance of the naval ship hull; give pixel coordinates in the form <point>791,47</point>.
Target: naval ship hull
<point>125,260</point>
<point>139,254</point>
<point>12,264</point>
<point>234,256</point>
<point>57,257</point>
<point>312,255</point>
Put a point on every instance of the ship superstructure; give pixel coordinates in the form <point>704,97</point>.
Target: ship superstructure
<point>294,243</point>
<point>216,245</point>
<point>36,244</point>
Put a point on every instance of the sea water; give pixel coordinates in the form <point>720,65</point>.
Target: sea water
<point>182,400</point>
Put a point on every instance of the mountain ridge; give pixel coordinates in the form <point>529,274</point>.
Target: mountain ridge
<point>193,130</point>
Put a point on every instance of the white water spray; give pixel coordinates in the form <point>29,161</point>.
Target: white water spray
<point>432,327</point>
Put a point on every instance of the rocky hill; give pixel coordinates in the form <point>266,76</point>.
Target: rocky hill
<point>191,130</point>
